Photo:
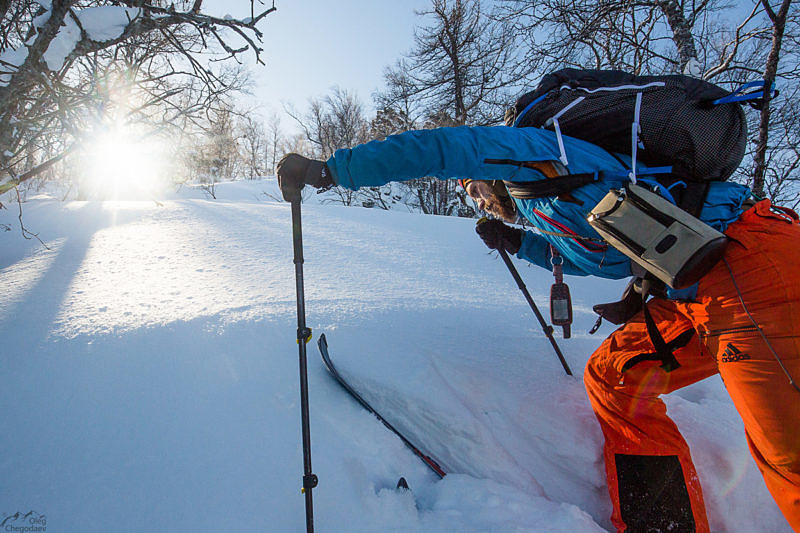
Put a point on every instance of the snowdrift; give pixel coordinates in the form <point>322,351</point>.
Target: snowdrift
<point>150,379</point>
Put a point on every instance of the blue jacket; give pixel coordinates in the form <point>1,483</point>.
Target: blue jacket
<point>462,152</point>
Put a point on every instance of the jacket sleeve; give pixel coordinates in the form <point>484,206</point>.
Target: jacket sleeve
<point>461,152</point>
<point>536,249</point>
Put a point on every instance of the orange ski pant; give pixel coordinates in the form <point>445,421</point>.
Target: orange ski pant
<point>651,479</point>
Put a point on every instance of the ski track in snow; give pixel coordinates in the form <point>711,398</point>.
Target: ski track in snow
<point>490,442</point>
<point>149,377</point>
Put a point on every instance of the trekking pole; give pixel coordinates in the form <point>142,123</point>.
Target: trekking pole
<point>548,330</point>
<point>303,336</point>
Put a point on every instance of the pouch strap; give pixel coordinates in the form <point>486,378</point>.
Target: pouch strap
<point>664,351</point>
<point>678,342</point>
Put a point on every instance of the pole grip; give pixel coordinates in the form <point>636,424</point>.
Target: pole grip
<point>297,232</point>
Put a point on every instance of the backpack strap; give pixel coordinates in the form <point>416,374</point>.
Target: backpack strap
<point>754,98</point>
<point>511,121</point>
<point>553,121</point>
<point>693,197</point>
<point>556,186</point>
<point>631,303</point>
<point>636,129</point>
<point>559,181</point>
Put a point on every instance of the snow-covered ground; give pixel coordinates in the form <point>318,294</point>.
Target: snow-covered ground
<point>150,377</point>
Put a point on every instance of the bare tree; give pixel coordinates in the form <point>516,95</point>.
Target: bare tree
<point>54,60</point>
<point>778,20</point>
<point>640,36</point>
<point>211,152</point>
<point>274,141</point>
<point>253,143</point>
<point>332,122</point>
<point>713,39</point>
<point>463,66</point>
<point>462,70</point>
<point>782,160</point>
<point>390,120</point>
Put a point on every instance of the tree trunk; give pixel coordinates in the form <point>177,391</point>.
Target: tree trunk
<point>449,41</point>
<point>26,77</point>
<point>770,70</point>
<point>681,32</point>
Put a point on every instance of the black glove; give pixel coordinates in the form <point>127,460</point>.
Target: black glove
<point>498,236</point>
<point>295,171</point>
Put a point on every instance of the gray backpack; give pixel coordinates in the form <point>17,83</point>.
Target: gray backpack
<point>693,130</point>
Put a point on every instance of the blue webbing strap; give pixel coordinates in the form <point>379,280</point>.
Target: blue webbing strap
<point>660,189</point>
<point>739,94</point>
<point>527,108</point>
<point>648,171</point>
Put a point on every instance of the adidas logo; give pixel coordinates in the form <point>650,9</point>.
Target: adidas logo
<point>732,354</point>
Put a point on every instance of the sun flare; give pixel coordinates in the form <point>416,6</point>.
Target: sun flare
<point>120,165</point>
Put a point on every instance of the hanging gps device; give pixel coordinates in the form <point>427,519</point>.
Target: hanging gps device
<point>560,300</point>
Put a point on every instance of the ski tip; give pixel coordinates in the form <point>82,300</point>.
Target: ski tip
<point>402,484</point>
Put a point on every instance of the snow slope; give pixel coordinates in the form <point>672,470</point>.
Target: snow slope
<point>150,379</point>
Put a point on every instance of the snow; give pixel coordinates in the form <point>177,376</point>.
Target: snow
<point>150,378</point>
<point>10,61</point>
<point>62,44</point>
<point>105,23</point>
<point>102,23</point>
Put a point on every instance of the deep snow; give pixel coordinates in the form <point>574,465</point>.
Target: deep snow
<point>150,377</point>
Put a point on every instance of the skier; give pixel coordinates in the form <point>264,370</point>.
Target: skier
<point>739,320</point>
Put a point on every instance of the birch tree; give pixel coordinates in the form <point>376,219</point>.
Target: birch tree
<point>725,43</point>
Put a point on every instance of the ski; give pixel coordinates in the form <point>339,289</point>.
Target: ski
<point>326,359</point>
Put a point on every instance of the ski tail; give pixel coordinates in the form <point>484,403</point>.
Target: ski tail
<point>326,359</point>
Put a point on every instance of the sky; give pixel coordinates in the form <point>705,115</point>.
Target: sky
<point>311,46</point>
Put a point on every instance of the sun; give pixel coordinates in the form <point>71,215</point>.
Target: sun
<point>121,164</point>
